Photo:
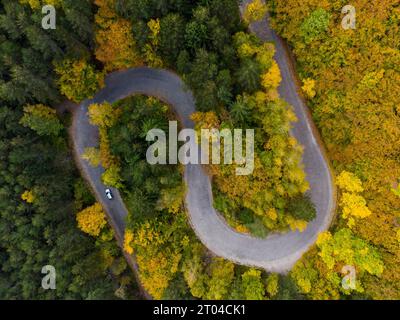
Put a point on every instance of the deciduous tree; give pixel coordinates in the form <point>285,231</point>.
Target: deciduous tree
<point>78,80</point>
<point>41,119</point>
<point>255,11</point>
<point>92,220</point>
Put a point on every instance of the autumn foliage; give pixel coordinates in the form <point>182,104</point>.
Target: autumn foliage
<point>91,220</point>
<point>104,116</point>
<point>255,11</point>
<point>37,4</point>
<point>278,175</point>
<point>28,196</point>
<point>78,80</point>
<point>355,102</point>
<point>116,47</point>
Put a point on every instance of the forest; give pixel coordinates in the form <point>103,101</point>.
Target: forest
<point>41,191</point>
<point>173,264</point>
<point>48,216</point>
<point>237,89</point>
<point>352,79</point>
<point>40,68</point>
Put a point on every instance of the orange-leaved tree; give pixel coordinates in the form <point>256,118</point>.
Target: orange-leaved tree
<point>116,46</point>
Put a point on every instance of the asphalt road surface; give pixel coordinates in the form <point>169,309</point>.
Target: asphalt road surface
<point>276,253</point>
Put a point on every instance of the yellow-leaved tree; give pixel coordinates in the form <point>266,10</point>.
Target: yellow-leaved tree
<point>36,4</point>
<point>28,196</point>
<point>92,220</point>
<point>255,11</point>
<point>92,155</point>
<point>158,261</point>
<point>272,78</point>
<point>396,190</point>
<point>309,87</point>
<point>357,110</point>
<point>319,273</point>
<point>150,49</point>
<point>104,116</point>
<point>116,47</point>
<point>78,80</point>
<point>128,240</point>
<point>353,205</point>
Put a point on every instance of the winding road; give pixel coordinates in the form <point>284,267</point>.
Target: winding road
<point>276,253</point>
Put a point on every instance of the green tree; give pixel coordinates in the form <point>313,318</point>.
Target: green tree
<point>272,284</point>
<point>221,277</point>
<point>253,286</point>
<point>240,111</point>
<point>316,24</point>
<point>171,37</point>
<point>248,75</point>
<point>301,207</point>
<point>41,119</point>
<point>111,177</point>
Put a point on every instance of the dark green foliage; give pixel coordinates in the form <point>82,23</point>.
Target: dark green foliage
<point>301,207</point>
<point>240,112</point>
<point>248,75</point>
<point>177,290</point>
<point>195,39</point>
<point>27,51</point>
<point>142,182</point>
<point>171,37</point>
<point>82,195</point>
<point>288,289</point>
<point>147,9</point>
<point>44,232</point>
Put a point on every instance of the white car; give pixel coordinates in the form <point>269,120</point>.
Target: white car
<point>109,194</point>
